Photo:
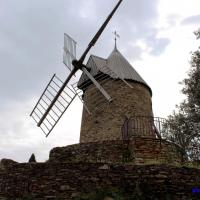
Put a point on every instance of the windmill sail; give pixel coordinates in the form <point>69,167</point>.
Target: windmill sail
<point>48,114</point>
<point>100,31</point>
<point>48,121</point>
<point>69,53</point>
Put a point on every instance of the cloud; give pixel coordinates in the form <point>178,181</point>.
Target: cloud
<point>159,45</point>
<point>134,21</point>
<point>19,136</point>
<point>191,20</point>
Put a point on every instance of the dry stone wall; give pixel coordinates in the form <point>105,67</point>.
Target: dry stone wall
<point>105,122</point>
<point>138,151</point>
<point>65,181</point>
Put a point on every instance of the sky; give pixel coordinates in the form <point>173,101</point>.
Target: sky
<point>156,37</point>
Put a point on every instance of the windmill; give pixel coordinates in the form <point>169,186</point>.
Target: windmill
<point>57,95</point>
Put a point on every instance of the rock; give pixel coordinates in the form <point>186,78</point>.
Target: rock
<point>50,197</point>
<point>75,194</point>
<point>104,167</point>
<point>65,187</point>
<point>160,176</point>
<point>5,163</point>
<point>108,198</point>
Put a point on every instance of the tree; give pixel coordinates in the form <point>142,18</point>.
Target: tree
<point>32,159</point>
<point>184,125</point>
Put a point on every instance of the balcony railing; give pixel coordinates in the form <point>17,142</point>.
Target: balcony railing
<point>143,126</point>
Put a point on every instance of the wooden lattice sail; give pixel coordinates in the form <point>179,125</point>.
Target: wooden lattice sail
<point>48,114</point>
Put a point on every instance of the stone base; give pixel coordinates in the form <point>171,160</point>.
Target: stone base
<point>137,151</point>
<point>76,181</point>
<point>103,170</point>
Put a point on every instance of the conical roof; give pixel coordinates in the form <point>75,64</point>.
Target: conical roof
<point>117,63</point>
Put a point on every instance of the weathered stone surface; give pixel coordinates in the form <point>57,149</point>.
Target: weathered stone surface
<point>106,123</point>
<point>139,151</point>
<point>67,181</point>
<point>104,167</point>
<point>108,198</point>
<point>6,163</point>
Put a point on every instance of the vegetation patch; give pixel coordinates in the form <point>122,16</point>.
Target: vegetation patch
<point>26,197</point>
<point>101,194</point>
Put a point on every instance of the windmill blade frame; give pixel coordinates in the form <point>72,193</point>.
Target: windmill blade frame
<point>78,65</point>
<point>101,89</point>
<point>47,120</point>
<point>100,31</point>
<point>57,96</point>
<point>69,53</point>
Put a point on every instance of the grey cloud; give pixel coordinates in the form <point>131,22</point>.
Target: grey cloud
<point>173,20</point>
<point>18,138</point>
<point>140,25</point>
<point>158,44</point>
<point>134,51</point>
<point>191,20</point>
<point>135,20</point>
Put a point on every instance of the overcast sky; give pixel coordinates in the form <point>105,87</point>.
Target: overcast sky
<point>156,37</point>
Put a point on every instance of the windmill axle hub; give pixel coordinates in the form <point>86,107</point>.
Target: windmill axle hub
<point>77,65</point>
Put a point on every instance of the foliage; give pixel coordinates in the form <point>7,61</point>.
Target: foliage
<point>141,191</point>
<point>101,194</point>
<point>26,197</point>
<point>32,159</point>
<point>127,156</point>
<point>184,125</point>
<point>197,33</point>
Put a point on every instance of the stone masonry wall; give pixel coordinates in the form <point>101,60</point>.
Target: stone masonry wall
<point>65,181</point>
<point>139,151</point>
<point>105,123</point>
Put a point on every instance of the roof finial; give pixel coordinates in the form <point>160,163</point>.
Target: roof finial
<point>116,36</point>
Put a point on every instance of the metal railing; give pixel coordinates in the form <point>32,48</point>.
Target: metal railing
<point>143,126</point>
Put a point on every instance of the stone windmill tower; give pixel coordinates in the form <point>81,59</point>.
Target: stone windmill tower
<point>110,89</point>
<point>117,106</point>
<point>130,93</point>
<point>121,152</point>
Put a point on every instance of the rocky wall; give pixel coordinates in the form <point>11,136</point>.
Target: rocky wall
<point>138,151</point>
<point>106,119</point>
<point>65,181</point>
